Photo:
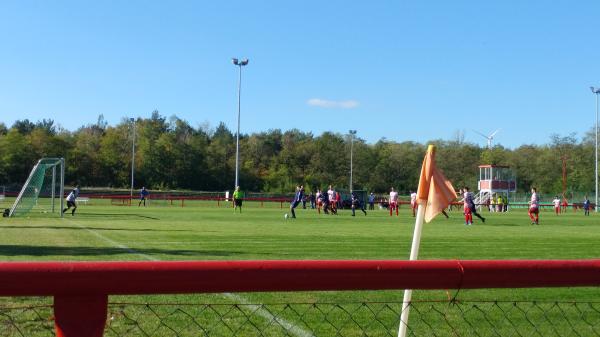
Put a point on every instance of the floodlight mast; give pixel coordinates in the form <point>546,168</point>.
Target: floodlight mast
<point>240,64</point>
<point>352,134</point>
<point>597,92</point>
<point>132,120</point>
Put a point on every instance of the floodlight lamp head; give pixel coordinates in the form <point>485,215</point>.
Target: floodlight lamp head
<point>235,61</point>
<point>132,119</point>
<point>244,62</point>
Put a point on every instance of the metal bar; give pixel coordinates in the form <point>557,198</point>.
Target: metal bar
<point>128,278</point>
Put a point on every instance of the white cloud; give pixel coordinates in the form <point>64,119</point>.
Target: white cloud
<point>323,103</point>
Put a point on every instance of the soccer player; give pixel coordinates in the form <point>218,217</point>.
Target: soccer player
<point>356,202</point>
<point>143,195</point>
<point>237,199</point>
<point>297,199</point>
<point>72,200</point>
<point>331,196</point>
<point>324,199</point>
<point>318,197</point>
<point>534,204</point>
<point>556,203</point>
<point>469,207</point>
<point>586,206</point>
<point>393,201</point>
<point>413,203</point>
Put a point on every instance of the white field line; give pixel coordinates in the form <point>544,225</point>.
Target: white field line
<point>290,327</point>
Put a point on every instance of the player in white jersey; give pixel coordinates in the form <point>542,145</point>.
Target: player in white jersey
<point>331,196</point>
<point>556,203</point>
<point>72,200</point>
<point>318,197</point>
<point>393,204</point>
<point>534,207</point>
<point>413,202</point>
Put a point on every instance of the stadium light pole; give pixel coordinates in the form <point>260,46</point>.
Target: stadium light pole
<point>240,64</point>
<point>132,120</point>
<point>352,134</point>
<point>597,92</point>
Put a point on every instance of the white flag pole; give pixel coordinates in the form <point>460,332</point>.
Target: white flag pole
<point>414,253</point>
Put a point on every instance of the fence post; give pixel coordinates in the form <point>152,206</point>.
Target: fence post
<point>80,316</point>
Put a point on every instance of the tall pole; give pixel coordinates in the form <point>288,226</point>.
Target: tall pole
<point>237,134</point>
<point>352,133</point>
<point>132,158</point>
<point>597,92</point>
<point>240,64</point>
<point>62,186</point>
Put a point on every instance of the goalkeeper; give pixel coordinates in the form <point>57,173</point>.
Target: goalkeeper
<point>72,200</point>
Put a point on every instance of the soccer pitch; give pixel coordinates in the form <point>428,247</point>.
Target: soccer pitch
<point>203,231</point>
<point>206,232</point>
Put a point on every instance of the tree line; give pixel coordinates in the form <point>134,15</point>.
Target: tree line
<point>171,154</point>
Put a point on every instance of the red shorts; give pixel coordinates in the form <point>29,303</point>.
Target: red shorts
<point>393,204</point>
<point>413,204</point>
<point>467,209</point>
<point>534,210</point>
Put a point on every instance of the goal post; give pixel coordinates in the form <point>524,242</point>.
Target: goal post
<point>45,181</point>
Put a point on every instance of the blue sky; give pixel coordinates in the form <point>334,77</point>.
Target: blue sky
<point>402,70</point>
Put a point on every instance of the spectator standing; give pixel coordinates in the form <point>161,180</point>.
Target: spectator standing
<point>371,201</point>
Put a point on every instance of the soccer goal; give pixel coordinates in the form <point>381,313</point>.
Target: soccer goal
<point>44,185</point>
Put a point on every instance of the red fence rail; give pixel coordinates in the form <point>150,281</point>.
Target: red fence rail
<point>81,289</point>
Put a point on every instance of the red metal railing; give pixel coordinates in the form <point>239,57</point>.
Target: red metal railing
<point>81,289</point>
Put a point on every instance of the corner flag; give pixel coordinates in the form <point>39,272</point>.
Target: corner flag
<point>434,189</point>
<point>434,194</point>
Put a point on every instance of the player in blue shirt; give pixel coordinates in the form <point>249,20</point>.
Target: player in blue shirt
<point>357,203</point>
<point>143,195</point>
<point>297,199</point>
<point>586,206</point>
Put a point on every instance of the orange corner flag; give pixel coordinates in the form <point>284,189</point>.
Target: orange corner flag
<point>434,189</point>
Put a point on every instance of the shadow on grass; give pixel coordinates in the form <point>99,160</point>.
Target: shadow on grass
<point>503,224</point>
<point>24,250</point>
<point>112,215</point>
<point>96,228</point>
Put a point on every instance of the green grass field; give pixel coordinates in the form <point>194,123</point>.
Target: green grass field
<point>202,231</point>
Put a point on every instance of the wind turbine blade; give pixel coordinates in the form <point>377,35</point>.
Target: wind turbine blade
<point>481,134</point>
<point>494,133</point>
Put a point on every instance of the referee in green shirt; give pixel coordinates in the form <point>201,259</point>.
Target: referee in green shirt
<point>237,199</point>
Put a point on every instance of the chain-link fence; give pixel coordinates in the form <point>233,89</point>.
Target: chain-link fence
<point>427,318</point>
